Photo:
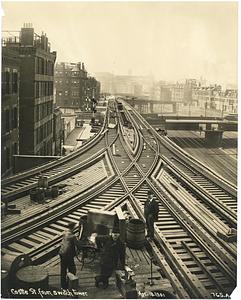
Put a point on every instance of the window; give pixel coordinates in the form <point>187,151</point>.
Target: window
<point>7,158</point>
<point>66,93</point>
<point>60,93</point>
<point>15,82</point>
<point>46,88</point>
<point>37,112</point>
<point>7,82</point>
<point>15,117</point>
<point>37,89</point>
<point>43,65</point>
<point>15,148</point>
<point>7,114</point>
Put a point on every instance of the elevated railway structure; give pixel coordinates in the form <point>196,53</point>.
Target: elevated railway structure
<point>116,168</point>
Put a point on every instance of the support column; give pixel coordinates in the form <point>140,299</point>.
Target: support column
<point>214,136</point>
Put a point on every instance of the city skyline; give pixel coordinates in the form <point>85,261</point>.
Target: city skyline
<point>171,40</point>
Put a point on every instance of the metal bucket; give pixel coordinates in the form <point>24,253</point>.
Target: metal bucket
<point>33,195</point>
<point>40,195</point>
<point>43,182</point>
<point>48,192</point>
<point>55,191</point>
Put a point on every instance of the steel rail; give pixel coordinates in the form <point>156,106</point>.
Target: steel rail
<point>229,215</point>
<point>35,171</point>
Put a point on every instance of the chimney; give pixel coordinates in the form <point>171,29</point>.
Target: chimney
<point>43,41</point>
<point>83,66</point>
<point>27,35</point>
<point>47,42</point>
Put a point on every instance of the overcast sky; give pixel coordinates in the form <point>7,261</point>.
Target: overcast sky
<point>173,40</point>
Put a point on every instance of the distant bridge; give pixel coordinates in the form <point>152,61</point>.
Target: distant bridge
<point>213,128</point>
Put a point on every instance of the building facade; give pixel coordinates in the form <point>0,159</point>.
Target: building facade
<point>227,101</point>
<point>205,96</point>
<point>73,86</point>
<point>128,85</point>
<point>36,91</point>
<point>10,110</point>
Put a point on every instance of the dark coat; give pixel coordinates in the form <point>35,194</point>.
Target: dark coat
<point>151,208</point>
<point>111,251</point>
<point>69,242</point>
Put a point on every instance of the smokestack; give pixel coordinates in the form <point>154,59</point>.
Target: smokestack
<point>27,35</point>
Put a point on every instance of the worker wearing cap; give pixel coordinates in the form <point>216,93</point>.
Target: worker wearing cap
<point>113,248</point>
<point>151,209</point>
<point>67,253</point>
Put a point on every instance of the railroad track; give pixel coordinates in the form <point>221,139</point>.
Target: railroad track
<point>224,158</point>
<point>194,204</point>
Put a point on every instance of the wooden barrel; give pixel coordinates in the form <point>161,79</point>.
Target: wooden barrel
<point>43,182</point>
<point>55,191</point>
<point>33,195</point>
<point>33,277</point>
<point>135,235</point>
<point>40,195</point>
<point>12,262</point>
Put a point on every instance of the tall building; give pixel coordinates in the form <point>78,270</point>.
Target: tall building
<point>36,90</point>
<point>10,109</point>
<point>129,85</point>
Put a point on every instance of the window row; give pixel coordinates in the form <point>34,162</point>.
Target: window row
<point>44,66</point>
<point>10,119</point>
<point>71,102</point>
<point>66,93</point>
<point>9,82</point>
<point>43,88</point>
<point>73,82</point>
<point>43,110</point>
<point>43,131</point>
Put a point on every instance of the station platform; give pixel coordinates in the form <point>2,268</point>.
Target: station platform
<point>82,133</point>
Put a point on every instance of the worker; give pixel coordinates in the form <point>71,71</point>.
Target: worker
<point>151,210</point>
<point>67,253</point>
<point>113,248</point>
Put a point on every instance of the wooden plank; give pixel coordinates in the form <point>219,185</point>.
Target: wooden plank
<point>38,238</point>
<point>45,234</point>
<point>29,242</point>
<point>122,222</point>
<point>18,247</point>
<point>62,228</point>
<point>52,230</point>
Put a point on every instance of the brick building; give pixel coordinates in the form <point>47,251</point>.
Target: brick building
<point>73,86</point>
<point>10,109</point>
<point>36,91</point>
